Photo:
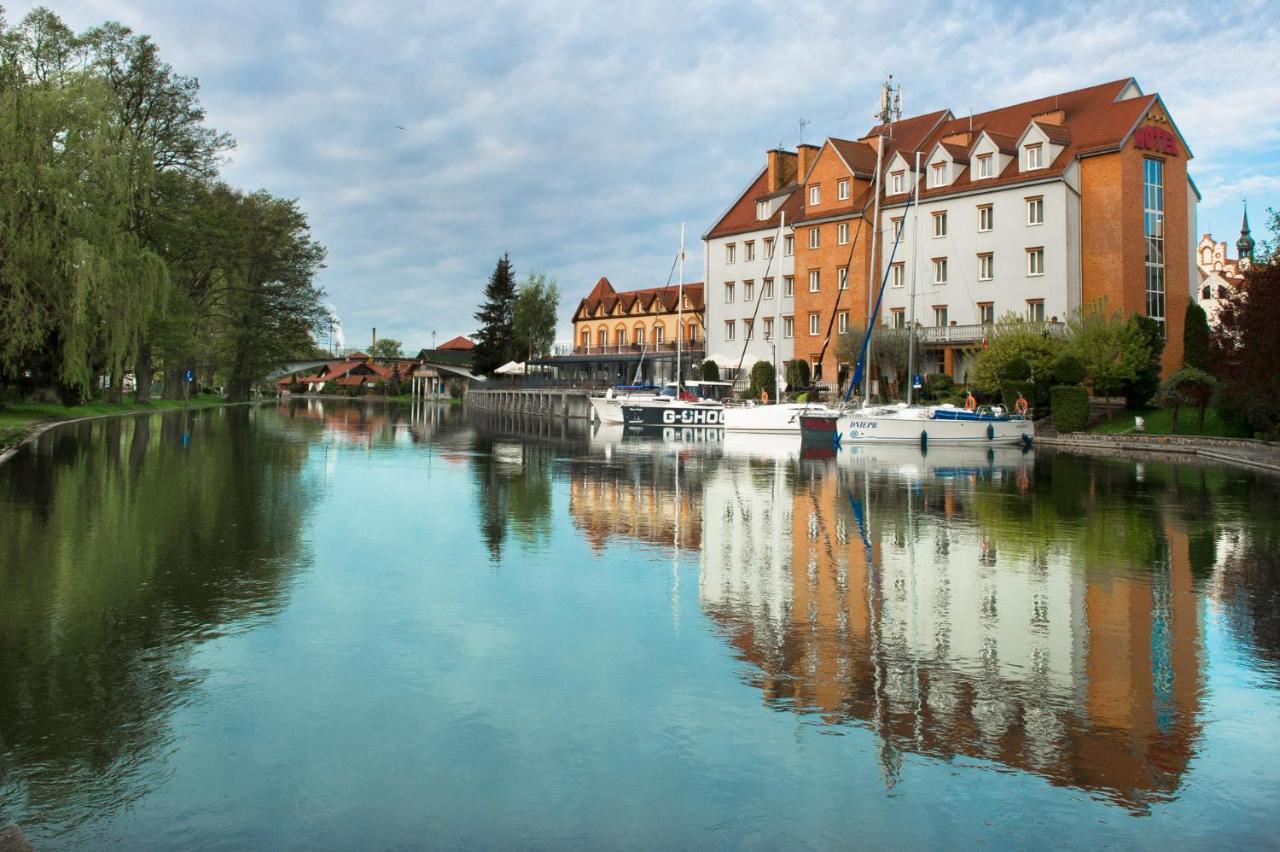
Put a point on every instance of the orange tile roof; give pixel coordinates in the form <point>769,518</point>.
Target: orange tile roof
<point>603,295</point>
<point>458,342</point>
<point>741,216</point>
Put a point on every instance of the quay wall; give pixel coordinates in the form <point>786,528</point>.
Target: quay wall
<point>547,402</point>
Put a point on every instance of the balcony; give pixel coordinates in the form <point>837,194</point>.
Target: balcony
<point>636,349</point>
<point>960,335</point>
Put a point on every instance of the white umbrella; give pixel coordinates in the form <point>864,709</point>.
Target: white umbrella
<point>511,368</point>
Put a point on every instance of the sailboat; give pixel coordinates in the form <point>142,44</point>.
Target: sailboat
<point>905,423</point>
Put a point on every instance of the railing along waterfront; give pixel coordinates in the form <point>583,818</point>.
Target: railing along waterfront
<point>689,347</point>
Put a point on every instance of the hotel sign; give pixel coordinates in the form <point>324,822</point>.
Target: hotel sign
<point>1155,139</point>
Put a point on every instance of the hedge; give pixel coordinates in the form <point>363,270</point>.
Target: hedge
<point>1070,408</point>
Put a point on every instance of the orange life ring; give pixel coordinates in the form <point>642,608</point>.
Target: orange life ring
<point>970,403</point>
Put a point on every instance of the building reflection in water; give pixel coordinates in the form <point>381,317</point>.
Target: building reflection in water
<point>912,597</point>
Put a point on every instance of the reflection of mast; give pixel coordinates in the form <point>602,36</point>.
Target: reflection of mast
<point>675,551</point>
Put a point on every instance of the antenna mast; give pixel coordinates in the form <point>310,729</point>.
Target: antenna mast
<point>890,104</point>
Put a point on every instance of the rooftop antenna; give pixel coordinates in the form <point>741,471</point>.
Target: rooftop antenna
<point>890,104</point>
<point>804,122</point>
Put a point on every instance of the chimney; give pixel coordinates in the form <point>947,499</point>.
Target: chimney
<point>781,169</point>
<point>374,343</point>
<point>806,154</point>
<point>1054,116</point>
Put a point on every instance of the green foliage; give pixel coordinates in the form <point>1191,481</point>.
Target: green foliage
<point>937,386</point>
<point>1247,352</point>
<point>386,349</point>
<point>534,315</point>
<point>1139,391</point>
<point>710,371</point>
<point>1187,386</point>
<point>1195,337</point>
<point>1069,370</point>
<point>762,378</point>
<point>1016,370</point>
<point>1010,390</point>
<point>1070,408</point>
<point>1013,339</point>
<point>394,385</point>
<point>496,340</point>
<point>797,374</point>
<point>1112,349</point>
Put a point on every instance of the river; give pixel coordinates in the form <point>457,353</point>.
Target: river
<point>334,626</point>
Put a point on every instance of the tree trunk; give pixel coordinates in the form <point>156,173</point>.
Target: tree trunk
<point>142,372</point>
<point>116,392</point>
<point>1173,427</point>
<point>173,383</point>
<point>1203,406</point>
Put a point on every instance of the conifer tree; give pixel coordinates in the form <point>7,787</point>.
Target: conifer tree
<point>1195,338</point>
<point>496,340</point>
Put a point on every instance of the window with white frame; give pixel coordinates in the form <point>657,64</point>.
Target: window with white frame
<point>986,218</point>
<point>586,338</point>
<point>748,328</point>
<point>986,313</point>
<point>1035,261</point>
<point>939,270</point>
<point>768,248</point>
<point>815,195</point>
<point>768,328</point>
<point>986,266</point>
<point>842,189</point>
<point>730,250</point>
<point>984,165</point>
<point>815,237</point>
<point>762,210</point>
<point>729,329</point>
<point>897,227</point>
<point>1035,310</point>
<point>603,335</point>
<point>898,182</point>
<point>638,335</point>
<point>938,174</point>
<point>728,292</point>
<point>766,289</point>
<point>842,322</point>
<point>659,334</point>
<point>1035,155</point>
<point>813,325</point>
<point>788,327</point>
<point>1035,210</point>
<point>940,224</point>
<point>842,278</point>
<point>842,233</point>
<point>749,250</point>
<point>814,280</point>
<point>940,315</point>
<point>788,286</point>
<point>897,274</point>
<point>748,291</point>
<point>788,245</point>
<point>898,317</point>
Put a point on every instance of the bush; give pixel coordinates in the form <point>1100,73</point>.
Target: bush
<point>710,371</point>
<point>1070,408</point>
<point>938,385</point>
<point>1017,370</point>
<point>1069,370</point>
<point>798,374</point>
<point>762,378</point>
<point>1009,394</point>
<point>1187,386</point>
<point>1139,390</point>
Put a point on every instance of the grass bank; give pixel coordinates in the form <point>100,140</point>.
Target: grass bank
<point>20,419</point>
<point>1159,421</point>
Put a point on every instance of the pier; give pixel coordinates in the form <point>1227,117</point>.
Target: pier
<point>548,402</point>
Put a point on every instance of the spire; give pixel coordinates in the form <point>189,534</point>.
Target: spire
<point>1244,245</point>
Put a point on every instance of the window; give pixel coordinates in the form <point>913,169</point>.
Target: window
<point>842,189</point>
<point>691,333</point>
<point>815,195</point>
<point>762,210</point>
<point>767,289</point>
<point>1033,156</point>
<point>940,224</point>
<point>986,313</point>
<point>813,325</point>
<point>899,317</point>
<point>984,165</point>
<point>768,248</point>
<point>620,337</point>
<point>1035,210</point>
<point>788,286</point>
<point>897,274</point>
<point>986,266</point>
<point>728,292</point>
<point>842,278</point>
<point>748,291</point>
<point>1153,231</point>
<point>898,180</point>
<point>586,338</point>
<point>730,250</point>
<point>749,250</point>
<point>1206,292</point>
<point>659,334</point>
<point>842,233</point>
<point>1035,310</point>
<point>768,328</point>
<point>939,270</point>
<point>897,227</point>
<point>842,322</point>
<point>603,334</point>
<point>788,327</point>
<point>815,237</point>
<point>1035,261</point>
<point>729,329</point>
<point>814,280</point>
<point>940,315</point>
<point>638,335</point>
<point>748,328</point>
<point>788,245</point>
<point>986,218</point>
<point>938,174</point>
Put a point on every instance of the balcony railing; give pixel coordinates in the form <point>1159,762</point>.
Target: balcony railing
<point>960,334</point>
<point>629,348</point>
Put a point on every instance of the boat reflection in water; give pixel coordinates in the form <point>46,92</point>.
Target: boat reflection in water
<point>921,597</point>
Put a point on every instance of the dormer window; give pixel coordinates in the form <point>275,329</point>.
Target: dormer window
<point>898,182</point>
<point>1035,154</point>
<point>762,210</point>
<point>984,165</point>
<point>938,174</point>
<point>815,195</point>
<point>842,189</point>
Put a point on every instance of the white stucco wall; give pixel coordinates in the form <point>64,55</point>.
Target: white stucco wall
<point>719,272</point>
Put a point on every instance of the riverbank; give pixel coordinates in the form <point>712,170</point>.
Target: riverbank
<point>20,422</point>
<point>1244,452</point>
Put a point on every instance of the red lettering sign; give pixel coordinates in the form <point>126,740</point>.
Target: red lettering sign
<point>1156,139</point>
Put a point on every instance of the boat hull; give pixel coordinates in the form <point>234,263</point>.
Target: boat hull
<point>861,429</point>
<point>675,413</point>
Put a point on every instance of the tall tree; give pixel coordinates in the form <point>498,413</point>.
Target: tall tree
<point>1247,350</point>
<point>495,341</point>
<point>1111,348</point>
<point>1195,337</point>
<point>534,314</point>
<point>385,349</point>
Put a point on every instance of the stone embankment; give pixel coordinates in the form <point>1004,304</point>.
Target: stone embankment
<point>1239,451</point>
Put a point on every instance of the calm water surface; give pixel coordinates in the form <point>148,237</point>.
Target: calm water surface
<point>337,626</point>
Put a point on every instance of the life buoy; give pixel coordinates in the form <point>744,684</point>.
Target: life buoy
<point>970,403</point>
<point>1021,405</point>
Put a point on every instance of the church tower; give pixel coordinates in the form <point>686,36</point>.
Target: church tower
<point>1244,245</point>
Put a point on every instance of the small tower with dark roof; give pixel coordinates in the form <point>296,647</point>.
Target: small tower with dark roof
<point>1244,245</point>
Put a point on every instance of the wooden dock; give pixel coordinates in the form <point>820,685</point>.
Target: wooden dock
<point>548,402</point>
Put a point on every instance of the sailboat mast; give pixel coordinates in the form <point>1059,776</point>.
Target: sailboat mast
<point>680,310</point>
<point>872,276</point>
<point>915,271</point>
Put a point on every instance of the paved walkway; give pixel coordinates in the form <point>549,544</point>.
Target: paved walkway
<point>1259,455</point>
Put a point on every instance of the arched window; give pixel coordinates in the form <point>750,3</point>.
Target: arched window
<point>1222,292</point>
<point>620,336</point>
<point>586,338</point>
<point>1204,293</point>
<point>603,336</point>
<point>1207,254</point>
<point>691,333</point>
<point>637,335</point>
<point>658,334</point>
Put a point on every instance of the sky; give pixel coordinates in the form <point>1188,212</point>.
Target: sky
<point>579,136</point>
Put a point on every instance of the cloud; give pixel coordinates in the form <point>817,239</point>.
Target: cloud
<point>579,136</point>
